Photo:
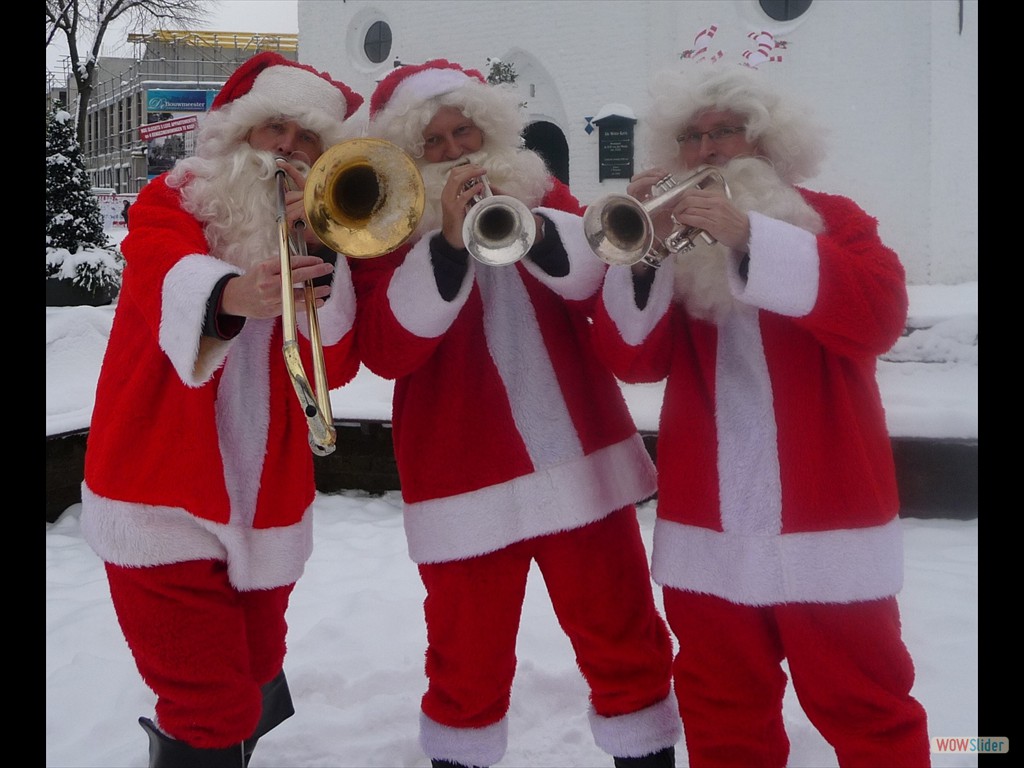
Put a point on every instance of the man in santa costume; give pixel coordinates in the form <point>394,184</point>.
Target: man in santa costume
<point>514,445</point>
<point>198,473</point>
<point>777,534</point>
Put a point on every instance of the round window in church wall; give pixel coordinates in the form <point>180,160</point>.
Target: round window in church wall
<point>377,42</point>
<point>785,10</point>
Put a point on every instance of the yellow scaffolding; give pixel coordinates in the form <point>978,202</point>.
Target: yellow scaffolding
<point>257,41</point>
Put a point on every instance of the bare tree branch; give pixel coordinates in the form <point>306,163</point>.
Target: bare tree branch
<point>84,24</point>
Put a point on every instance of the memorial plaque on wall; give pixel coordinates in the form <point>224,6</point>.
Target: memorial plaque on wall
<point>615,147</point>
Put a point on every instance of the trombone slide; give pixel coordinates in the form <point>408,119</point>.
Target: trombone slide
<point>316,405</point>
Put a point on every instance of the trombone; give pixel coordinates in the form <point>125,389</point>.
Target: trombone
<point>363,198</point>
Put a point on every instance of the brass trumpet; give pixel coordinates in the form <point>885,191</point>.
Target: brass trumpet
<point>499,229</point>
<point>620,229</point>
<point>363,198</point>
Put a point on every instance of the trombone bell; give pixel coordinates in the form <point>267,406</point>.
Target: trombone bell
<point>364,197</point>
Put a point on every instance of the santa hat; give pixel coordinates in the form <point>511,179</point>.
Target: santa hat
<point>405,101</point>
<point>410,85</point>
<point>268,85</point>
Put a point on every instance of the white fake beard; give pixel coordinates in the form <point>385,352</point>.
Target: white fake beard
<point>701,274</point>
<point>517,173</point>
<point>235,197</point>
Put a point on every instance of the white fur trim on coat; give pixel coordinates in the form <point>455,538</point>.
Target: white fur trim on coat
<point>141,535</point>
<point>424,313</point>
<point>586,271</point>
<point>186,290</point>
<point>338,314</point>
<point>840,566</point>
<point>243,415</point>
<point>583,490</point>
<point>782,275</point>
<point>619,296</point>
<point>749,479</point>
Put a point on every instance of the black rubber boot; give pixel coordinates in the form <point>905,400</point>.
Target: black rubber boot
<point>666,758</point>
<point>277,707</point>
<point>165,752</point>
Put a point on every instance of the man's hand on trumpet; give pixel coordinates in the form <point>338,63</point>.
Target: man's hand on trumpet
<point>641,187</point>
<point>641,183</point>
<point>464,188</point>
<point>464,183</point>
<point>710,210</point>
<point>707,209</point>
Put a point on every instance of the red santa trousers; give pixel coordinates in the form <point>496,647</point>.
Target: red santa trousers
<point>202,646</point>
<point>598,579</point>
<point>851,673</point>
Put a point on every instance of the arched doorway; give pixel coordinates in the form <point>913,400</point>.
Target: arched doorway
<point>548,141</point>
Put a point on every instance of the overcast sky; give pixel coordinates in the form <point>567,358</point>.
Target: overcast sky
<point>225,16</point>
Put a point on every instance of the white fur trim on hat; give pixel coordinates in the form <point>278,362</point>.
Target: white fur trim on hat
<point>295,93</point>
<point>413,92</point>
<point>404,90</point>
<point>295,89</point>
<point>428,84</point>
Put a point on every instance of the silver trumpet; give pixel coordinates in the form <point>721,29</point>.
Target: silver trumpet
<point>499,229</point>
<point>620,229</point>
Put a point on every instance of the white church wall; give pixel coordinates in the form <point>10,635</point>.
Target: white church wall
<point>893,81</point>
<point>953,197</point>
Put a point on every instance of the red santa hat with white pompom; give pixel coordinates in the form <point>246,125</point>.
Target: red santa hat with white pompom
<point>268,85</point>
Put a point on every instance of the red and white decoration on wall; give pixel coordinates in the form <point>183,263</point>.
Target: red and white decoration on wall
<point>760,51</point>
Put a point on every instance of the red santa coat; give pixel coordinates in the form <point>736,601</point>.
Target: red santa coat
<point>506,426</point>
<point>198,447</point>
<point>776,477</point>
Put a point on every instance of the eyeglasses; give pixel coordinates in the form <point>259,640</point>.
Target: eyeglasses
<point>694,138</point>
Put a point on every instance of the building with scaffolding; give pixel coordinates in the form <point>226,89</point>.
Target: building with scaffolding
<point>144,109</point>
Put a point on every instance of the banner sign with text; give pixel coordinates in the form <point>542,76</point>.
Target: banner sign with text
<point>168,127</point>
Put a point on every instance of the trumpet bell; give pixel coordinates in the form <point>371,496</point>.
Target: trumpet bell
<point>620,229</point>
<point>499,230</point>
<point>364,197</point>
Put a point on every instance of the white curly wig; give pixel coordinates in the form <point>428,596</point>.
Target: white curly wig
<point>784,131</point>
